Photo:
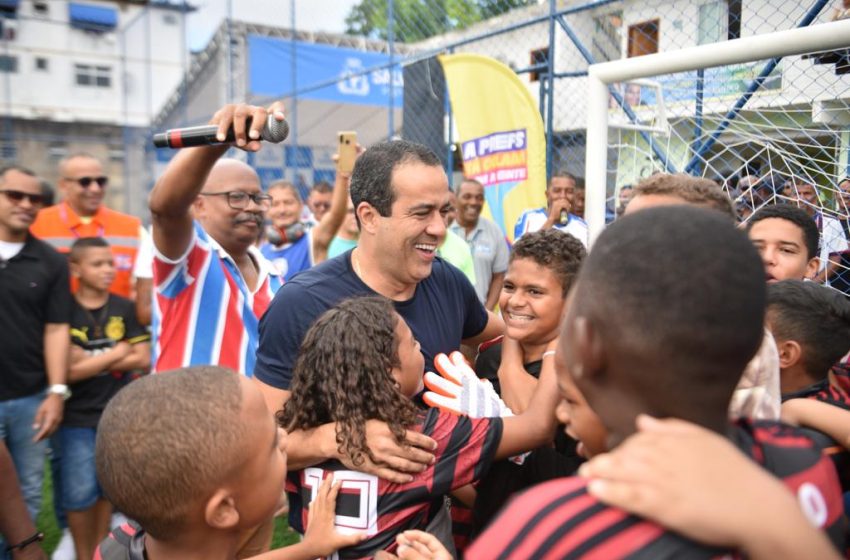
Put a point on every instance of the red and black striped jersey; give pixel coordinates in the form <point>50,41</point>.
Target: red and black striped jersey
<point>560,520</point>
<point>825,391</point>
<point>840,375</point>
<point>125,542</point>
<point>829,391</point>
<point>383,509</point>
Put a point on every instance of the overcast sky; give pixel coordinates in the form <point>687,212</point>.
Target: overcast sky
<point>310,15</point>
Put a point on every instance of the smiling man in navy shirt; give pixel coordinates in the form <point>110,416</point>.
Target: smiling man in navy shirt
<point>400,194</point>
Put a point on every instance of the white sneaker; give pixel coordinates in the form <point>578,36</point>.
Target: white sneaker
<point>65,550</point>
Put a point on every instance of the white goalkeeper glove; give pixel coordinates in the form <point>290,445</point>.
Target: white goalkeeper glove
<point>458,390</point>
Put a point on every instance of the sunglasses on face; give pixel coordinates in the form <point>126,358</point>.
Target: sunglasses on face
<point>86,182</point>
<point>18,196</point>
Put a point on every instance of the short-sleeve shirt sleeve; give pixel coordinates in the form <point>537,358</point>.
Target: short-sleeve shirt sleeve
<point>58,308</point>
<point>500,263</point>
<point>172,276</point>
<point>282,329</point>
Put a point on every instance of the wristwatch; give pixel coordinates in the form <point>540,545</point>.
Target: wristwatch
<point>59,389</point>
<point>37,537</point>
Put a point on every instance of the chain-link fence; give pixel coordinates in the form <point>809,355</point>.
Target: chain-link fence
<point>770,131</point>
<point>765,129</point>
<point>549,44</point>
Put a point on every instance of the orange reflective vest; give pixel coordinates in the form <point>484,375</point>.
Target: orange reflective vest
<point>60,226</point>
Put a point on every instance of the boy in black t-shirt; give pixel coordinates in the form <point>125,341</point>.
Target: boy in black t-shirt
<point>540,273</point>
<point>656,326</point>
<point>541,270</point>
<point>811,325</point>
<point>107,344</point>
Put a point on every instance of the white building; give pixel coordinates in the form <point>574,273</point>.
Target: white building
<point>85,76</point>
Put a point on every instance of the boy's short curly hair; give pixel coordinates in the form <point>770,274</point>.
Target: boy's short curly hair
<point>698,191</point>
<point>560,252</point>
<point>168,440</point>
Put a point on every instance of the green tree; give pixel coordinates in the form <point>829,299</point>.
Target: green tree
<point>415,20</point>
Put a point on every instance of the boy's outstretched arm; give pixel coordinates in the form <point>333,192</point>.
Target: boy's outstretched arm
<point>821,416</point>
<point>536,425</point>
<point>321,539</point>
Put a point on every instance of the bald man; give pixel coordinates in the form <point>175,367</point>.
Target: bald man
<point>211,283</point>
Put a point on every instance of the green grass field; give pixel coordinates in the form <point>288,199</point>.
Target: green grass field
<point>46,522</point>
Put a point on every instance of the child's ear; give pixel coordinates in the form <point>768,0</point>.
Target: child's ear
<point>588,345</point>
<point>812,267</point>
<point>790,353</point>
<point>220,511</point>
<point>74,269</point>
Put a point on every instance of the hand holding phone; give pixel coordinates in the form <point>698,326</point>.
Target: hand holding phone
<point>347,151</point>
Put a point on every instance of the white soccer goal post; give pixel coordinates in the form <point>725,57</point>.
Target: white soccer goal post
<point>798,41</point>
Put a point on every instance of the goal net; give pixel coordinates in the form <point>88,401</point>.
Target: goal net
<point>766,117</point>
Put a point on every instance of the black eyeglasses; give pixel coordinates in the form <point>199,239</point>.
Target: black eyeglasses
<point>85,182</point>
<point>238,200</point>
<point>18,196</point>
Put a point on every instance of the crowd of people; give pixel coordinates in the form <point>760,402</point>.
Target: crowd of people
<point>377,363</point>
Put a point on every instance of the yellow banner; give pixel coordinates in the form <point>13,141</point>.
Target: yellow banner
<point>502,141</point>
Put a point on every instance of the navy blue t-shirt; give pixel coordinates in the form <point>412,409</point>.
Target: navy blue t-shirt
<point>443,311</point>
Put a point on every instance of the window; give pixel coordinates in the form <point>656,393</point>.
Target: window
<point>169,19</point>
<point>93,76</point>
<point>8,63</point>
<point>538,56</point>
<point>88,17</point>
<point>41,8</point>
<point>9,8</point>
<point>734,26</point>
<point>607,37</point>
<point>41,63</point>
<point>719,21</point>
<point>643,38</point>
<point>713,23</point>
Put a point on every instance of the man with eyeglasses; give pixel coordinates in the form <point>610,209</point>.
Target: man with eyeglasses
<point>34,334</point>
<point>81,213</point>
<point>211,283</point>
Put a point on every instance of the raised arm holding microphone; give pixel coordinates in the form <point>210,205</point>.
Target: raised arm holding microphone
<point>207,213</point>
<point>211,284</point>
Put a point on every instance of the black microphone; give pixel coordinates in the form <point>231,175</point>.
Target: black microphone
<point>275,131</point>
